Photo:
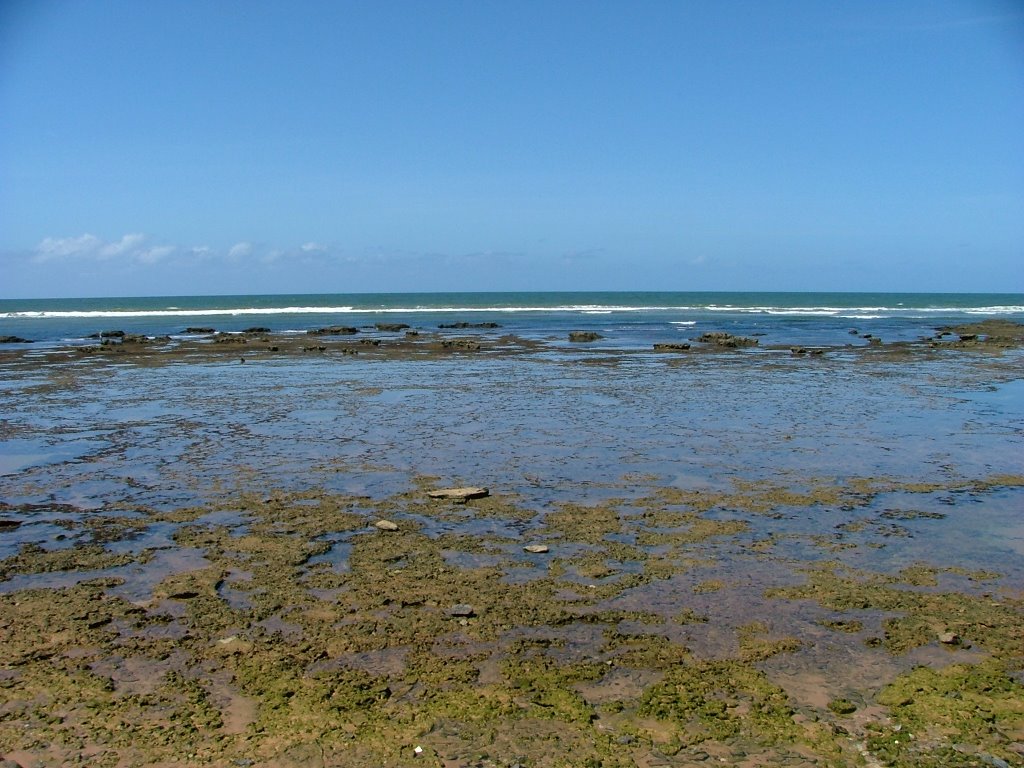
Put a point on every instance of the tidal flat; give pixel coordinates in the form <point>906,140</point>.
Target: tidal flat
<point>744,557</point>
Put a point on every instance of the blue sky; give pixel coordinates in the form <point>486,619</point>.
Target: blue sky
<point>248,147</point>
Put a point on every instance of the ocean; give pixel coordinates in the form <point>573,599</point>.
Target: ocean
<point>624,319</point>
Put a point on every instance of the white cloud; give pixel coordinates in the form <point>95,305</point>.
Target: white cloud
<point>239,250</point>
<point>62,247</point>
<point>140,249</point>
<point>130,248</point>
<point>126,244</point>
<point>155,254</point>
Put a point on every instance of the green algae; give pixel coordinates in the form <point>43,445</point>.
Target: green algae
<point>978,708</point>
<point>843,625</point>
<point>721,700</point>
<point>920,616</point>
<point>842,706</point>
<point>265,656</point>
<point>756,642</point>
<point>88,557</point>
<point>708,585</point>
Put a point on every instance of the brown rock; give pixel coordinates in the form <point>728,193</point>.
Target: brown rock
<point>458,494</point>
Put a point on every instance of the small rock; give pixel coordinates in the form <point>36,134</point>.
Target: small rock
<point>949,638</point>
<point>462,610</point>
<point>583,336</point>
<point>386,525</point>
<point>537,549</point>
<point>458,494</point>
<point>7,524</point>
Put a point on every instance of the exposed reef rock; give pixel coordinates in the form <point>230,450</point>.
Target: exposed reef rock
<point>333,330</point>
<point>672,347</point>
<point>723,339</point>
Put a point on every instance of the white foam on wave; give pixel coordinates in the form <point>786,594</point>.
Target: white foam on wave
<point>846,312</point>
<point>232,311</point>
<point>174,312</point>
<point>1005,310</point>
<point>869,312</point>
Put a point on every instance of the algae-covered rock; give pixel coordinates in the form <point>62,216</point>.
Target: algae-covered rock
<point>842,706</point>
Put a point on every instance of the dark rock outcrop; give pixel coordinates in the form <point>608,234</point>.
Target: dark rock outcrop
<point>468,345</point>
<point>723,339</point>
<point>671,347</point>
<point>581,336</point>
<point>333,330</point>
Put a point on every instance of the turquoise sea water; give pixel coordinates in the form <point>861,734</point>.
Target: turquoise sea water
<point>622,317</point>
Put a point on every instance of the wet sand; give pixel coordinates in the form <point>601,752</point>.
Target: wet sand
<point>753,557</point>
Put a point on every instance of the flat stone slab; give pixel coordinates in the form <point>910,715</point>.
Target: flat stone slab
<point>386,525</point>
<point>537,549</point>
<point>458,494</point>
